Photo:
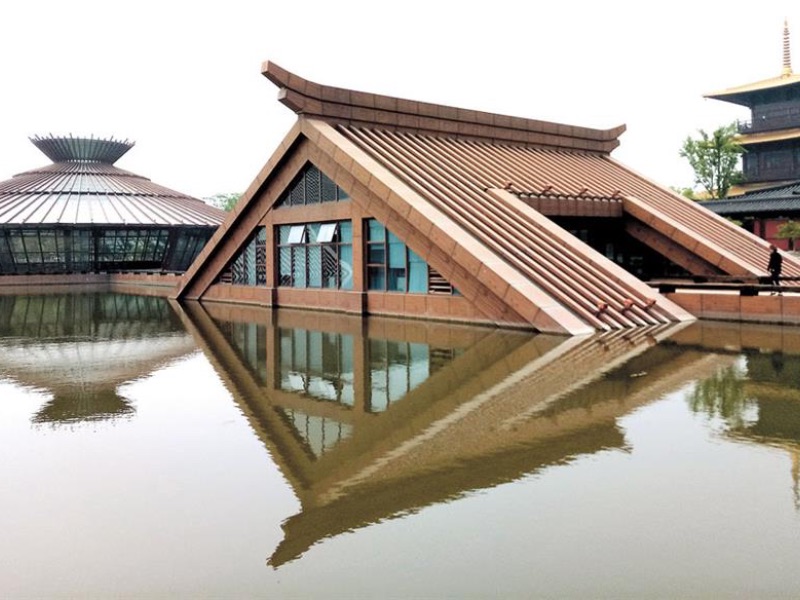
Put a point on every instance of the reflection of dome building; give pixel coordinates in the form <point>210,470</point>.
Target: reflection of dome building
<point>79,349</point>
<point>82,214</point>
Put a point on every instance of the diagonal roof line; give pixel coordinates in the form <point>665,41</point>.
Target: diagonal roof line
<point>350,107</point>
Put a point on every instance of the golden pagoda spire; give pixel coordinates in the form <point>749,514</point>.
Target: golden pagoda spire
<point>787,55</point>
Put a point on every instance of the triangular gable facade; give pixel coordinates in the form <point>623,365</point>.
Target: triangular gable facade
<point>473,196</point>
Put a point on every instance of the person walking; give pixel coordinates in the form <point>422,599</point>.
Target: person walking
<point>774,266</point>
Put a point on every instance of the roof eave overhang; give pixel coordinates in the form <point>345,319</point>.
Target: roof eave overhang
<point>744,95</point>
<point>342,106</point>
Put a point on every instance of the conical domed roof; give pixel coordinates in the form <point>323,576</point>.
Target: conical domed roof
<point>83,187</point>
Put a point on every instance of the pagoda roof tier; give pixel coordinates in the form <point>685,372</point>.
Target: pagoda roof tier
<point>764,137</point>
<point>750,94</point>
<point>745,95</point>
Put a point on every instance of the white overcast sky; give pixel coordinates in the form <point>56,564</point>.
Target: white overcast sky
<point>183,79</point>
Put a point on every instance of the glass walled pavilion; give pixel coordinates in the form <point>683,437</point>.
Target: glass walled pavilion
<point>82,214</point>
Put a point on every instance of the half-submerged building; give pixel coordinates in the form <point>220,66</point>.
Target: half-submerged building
<point>82,214</point>
<point>379,205</point>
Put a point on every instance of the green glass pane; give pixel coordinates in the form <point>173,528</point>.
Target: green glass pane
<point>417,277</point>
<point>345,232</point>
<point>375,231</point>
<point>376,278</point>
<point>346,267</point>
<point>314,266</point>
<point>376,254</point>
<point>299,266</point>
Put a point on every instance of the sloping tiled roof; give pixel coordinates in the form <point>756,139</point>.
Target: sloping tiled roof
<point>782,200</point>
<point>85,188</point>
<point>455,186</point>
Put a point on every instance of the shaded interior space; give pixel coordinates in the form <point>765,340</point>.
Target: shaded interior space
<point>373,419</point>
<point>612,238</point>
<point>79,348</point>
<point>82,214</point>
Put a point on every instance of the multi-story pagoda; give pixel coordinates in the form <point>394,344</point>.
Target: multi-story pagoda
<point>772,136</point>
<point>82,214</point>
<point>770,194</point>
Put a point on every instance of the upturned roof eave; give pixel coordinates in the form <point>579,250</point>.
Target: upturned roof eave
<point>350,107</point>
<point>742,94</point>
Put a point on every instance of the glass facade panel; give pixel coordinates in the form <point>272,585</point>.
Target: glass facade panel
<point>376,276</point>
<point>345,229</point>
<point>285,266</point>
<point>299,266</point>
<point>326,233</point>
<point>346,266</point>
<point>249,267</point>
<point>63,250</point>
<point>297,234</point>
<point>417,273</point>
<point>376,231</point>
<point>391,265</point>
<point>322,260</point>
<point>376,254</point>
<point>314,266</point>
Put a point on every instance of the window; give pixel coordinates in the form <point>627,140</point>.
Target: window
<point>297,234</point>
<point>249,267</point>
<point>311,186</point>
<point>326,233</point>
<point>391,265</point>
<point>316,255</point>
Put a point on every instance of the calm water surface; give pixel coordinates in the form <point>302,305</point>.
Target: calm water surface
<point>151,450</point>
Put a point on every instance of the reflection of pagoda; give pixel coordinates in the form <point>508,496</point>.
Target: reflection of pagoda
<point>81,348</point>
<point>503,406</point>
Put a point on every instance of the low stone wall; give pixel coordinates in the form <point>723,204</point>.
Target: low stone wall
<point>764,308</point>
<point>160,284</point>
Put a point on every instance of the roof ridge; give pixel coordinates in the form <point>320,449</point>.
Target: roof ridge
<point>350,107</point>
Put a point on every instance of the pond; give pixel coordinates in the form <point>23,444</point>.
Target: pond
<point>151,449</point>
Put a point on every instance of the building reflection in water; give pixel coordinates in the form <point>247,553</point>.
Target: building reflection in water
<point>757,398</point>
<point>371,419</point>
<point>79,348</point>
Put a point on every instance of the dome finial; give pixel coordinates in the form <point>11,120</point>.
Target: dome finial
<point>787,54</point>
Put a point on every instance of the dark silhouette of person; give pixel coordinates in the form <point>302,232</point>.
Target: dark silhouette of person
<point>774,266</point>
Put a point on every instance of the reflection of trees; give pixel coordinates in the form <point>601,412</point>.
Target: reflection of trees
<point>722,396</point>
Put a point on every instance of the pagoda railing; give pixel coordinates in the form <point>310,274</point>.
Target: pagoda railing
<point>768,124</point>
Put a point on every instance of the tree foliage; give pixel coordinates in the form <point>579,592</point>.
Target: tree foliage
<point>789,231</point>
<point>224,201</point>
<point>714,159</point>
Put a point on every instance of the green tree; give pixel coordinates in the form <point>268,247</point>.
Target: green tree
<point>224,201</point>
<point>789,231</point>
<point>686,192</point>
<point>714,159</point>
<point>722,396</point>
